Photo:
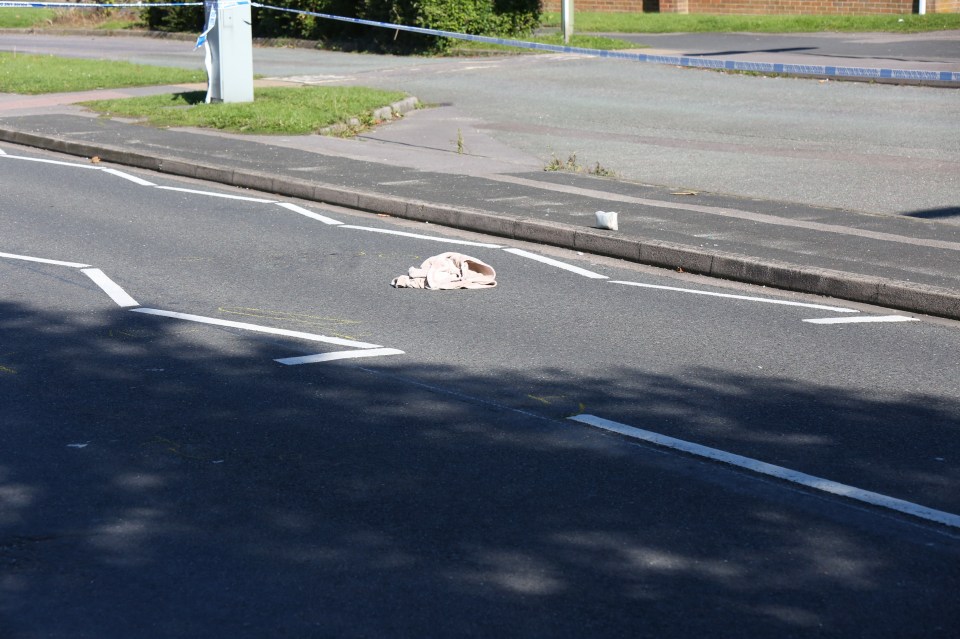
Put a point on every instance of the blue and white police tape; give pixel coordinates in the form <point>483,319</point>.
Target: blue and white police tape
<point>94,5</point>
<point>211,22</point>
<point>682,61</point>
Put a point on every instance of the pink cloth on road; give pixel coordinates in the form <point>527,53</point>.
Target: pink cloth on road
<point>448,271</point>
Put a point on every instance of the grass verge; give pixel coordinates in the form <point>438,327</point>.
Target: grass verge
<point>34,74</point>
<point>41,18</point>
<point>22,18</point>
<point>274,111</point>
<point>595,22</point>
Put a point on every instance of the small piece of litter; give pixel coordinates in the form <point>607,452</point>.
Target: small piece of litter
<point>607,220</point>
<point>218,461</point>
<point>684,193</point>
<point>78,445</point>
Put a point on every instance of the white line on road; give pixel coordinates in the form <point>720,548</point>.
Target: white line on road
<point>558,264</point>
<point>420,237</point>
<point>223,195</point>
<point>864,320</point>
<point>110,287</point>
<point>27,258</point>
<point>329,357</point>
<point>810,481</point>
<point>256,328</point>
<point>58,163</point>
<point>400,182</point>
<point>127,176</point>
<point>310,214</point>
<point>836,309</point>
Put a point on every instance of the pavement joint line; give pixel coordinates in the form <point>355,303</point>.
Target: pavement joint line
<point>771,470</point>
<point>900,295</point>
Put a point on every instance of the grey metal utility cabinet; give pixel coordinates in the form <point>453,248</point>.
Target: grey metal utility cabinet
<point>230,47</point>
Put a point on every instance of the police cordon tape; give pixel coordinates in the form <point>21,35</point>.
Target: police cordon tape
<point>868,73</point>
<point>96,5</point>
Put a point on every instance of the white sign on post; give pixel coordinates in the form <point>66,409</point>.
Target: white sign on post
<point>228,38</point>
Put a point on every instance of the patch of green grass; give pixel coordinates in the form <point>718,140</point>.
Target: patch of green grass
<point>593,22</point>
<point>34,74</point>
<point>100,18</point>
<point>281,111</point>
<point>11,18</point>
<point>462,47</point>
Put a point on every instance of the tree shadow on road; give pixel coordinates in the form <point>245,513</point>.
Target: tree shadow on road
<point>158,484</point>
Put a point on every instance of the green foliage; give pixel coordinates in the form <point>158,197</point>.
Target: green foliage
<point>510,18</point>
<point>270,23</point>
<point>173,19</point>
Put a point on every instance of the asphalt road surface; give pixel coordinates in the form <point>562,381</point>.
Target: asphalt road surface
<point>178,457</point>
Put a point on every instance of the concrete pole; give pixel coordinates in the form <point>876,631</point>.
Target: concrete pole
<point>229,52</point>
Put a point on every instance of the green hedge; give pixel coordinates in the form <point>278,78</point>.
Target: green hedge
<point>510,18</point>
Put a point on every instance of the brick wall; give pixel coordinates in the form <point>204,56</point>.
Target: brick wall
<point>787,7</point>
<point>943,6</point>
<point>761,7</point>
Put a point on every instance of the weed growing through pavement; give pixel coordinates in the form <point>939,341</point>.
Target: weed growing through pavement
<point>556,164</point>
<point>601,171</point>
